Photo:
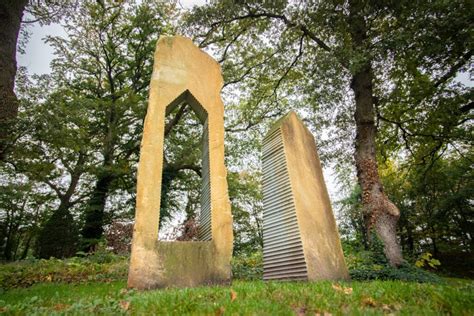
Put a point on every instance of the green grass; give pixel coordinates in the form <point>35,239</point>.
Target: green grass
<point>455,297</point>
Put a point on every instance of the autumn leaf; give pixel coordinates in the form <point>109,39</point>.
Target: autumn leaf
<point>125,305</point>
<point>368,301</point>
<point>345,290</point>
<point>60,307</point>
<point>233,295</point>
<point>220,311</point>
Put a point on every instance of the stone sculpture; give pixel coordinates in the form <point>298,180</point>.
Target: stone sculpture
<point>300,238</point>
<point>182,73</point>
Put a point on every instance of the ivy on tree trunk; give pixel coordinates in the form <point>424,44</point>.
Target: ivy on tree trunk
<point>380,212</point>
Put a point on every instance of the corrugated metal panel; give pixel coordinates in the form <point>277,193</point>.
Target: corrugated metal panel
<point>283,257</point>
<point>205,231</point>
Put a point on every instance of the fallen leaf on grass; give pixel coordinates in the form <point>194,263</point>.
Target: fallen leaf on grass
<point>345,290</point>
<point>300,311</point>
<point>233,295</point>
<point>60,307</point>
<point>125,305</point>
<point>368,301</point>
<point>323,314</point>
<point>220,311</point>
<point>123,291</point>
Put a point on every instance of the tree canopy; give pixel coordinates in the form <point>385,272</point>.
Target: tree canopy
<point>375,81</point>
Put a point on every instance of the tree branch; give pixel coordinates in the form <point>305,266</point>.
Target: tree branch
<point>169,126</point>
<point>284,19</point>
<point>454,69</point>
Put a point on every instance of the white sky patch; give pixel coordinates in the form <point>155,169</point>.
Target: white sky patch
<point>188,4</point>
<point>39,54</point>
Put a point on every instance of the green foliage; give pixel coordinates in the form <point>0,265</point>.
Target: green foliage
<point>372,264</point>
<point>102,266</point>
<point>248,267</point>
<point>427,260</point>
<point>435,200</point>
<point>282,55</point>
<point>247,211</point>
<point>436,211</point>
<point>79,128</point>
<point>405,272</point>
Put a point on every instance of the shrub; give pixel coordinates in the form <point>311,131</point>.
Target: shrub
<point>406,272</point>
<point>427,260</point>
<point>372,265</point>
<point>248,267</point>
<point>118,236</point>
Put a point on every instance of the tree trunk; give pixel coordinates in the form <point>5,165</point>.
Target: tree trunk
<point>380,212</point>
<point>59,236</point>
<point>11,13</point>
<point>94,221</point>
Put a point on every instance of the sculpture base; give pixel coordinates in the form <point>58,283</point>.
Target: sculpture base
<point>178,264</point>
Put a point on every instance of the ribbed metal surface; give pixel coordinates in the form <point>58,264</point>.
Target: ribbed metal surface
<point>205,232</point>
<point>283,257</point>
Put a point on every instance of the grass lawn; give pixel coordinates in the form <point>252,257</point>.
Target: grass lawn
<point>455,297</point>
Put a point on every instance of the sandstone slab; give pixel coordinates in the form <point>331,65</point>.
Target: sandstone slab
<point>182,73</point>
<point>300,237</point>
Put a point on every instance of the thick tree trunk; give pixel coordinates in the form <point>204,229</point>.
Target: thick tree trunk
<point>11,13</point>
<point>59,237</point>
<point>94,221</point>
<point>380,212</point>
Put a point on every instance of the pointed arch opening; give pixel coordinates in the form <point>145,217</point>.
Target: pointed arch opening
<point>185,208</point>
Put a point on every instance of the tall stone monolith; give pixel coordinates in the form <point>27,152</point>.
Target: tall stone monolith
<point>182,73</point>
<point>300,237</point>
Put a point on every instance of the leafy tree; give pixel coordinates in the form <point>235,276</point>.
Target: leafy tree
<point>80,128</point>
<point>435,203</point>
<point>247,211</point>
<point>314,54</point>
<point>106,59</point>
<point>52,156</point>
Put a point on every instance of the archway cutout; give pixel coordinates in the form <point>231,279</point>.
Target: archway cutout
<point>182,73</point>
<point>203,219</point>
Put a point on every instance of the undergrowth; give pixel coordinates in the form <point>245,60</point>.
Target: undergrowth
<point>101,266</point>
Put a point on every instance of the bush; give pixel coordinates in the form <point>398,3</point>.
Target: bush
<point>406,272</point>
<point>248,267</point>
<point>118,236</point>
<point>372,265</point>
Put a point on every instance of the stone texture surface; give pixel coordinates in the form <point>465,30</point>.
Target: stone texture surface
<point>181,73</point>
<point>318,237</point>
